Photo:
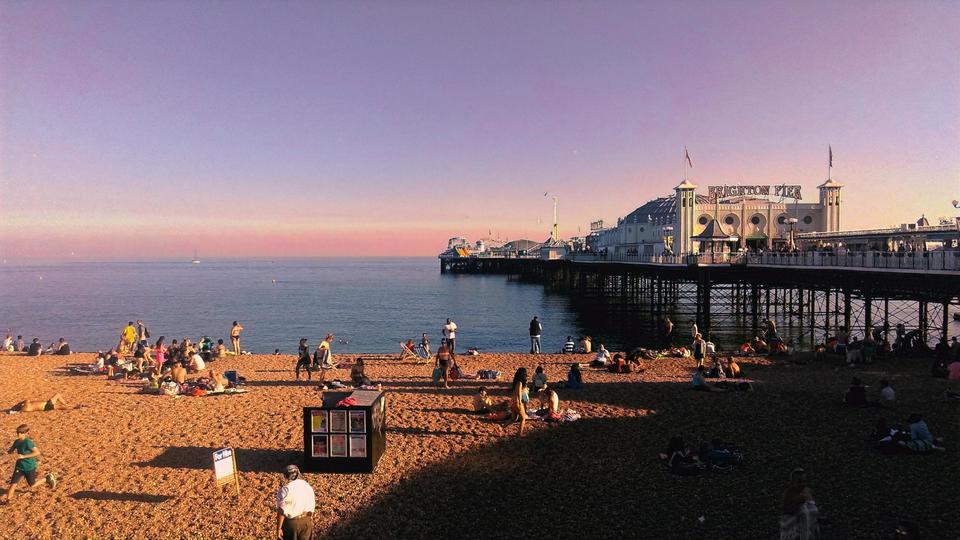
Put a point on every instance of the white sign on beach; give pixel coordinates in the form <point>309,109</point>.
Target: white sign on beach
<point>225,468</point>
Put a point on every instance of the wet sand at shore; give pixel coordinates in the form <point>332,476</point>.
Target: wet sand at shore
<point>133,465</point>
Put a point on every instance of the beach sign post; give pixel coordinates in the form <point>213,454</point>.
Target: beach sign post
<point>225,468</point>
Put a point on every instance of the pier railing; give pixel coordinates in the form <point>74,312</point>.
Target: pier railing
<point>930,261</point>
<point>926,260</point>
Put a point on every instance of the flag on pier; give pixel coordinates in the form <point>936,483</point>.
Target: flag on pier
<point>830,149</point>
<point>686,155</point>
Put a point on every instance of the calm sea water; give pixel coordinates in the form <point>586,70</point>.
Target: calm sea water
<point>372,303</point>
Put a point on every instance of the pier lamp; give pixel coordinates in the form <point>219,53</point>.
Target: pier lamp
<point>792,221</point>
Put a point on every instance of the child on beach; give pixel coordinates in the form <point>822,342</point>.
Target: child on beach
<point>482,402</point>
<point>26,466</point>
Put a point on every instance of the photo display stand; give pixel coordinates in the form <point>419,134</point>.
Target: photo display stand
<point>345,439</point>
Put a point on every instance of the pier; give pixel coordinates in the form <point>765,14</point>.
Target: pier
<point>810,295</point>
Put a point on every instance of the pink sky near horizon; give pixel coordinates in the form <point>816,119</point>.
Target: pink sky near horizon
<point>152,130</point>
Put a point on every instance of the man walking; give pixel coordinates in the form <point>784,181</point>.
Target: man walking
<point>296,503</point>
<point>535,329</point>
<point>450,333</point>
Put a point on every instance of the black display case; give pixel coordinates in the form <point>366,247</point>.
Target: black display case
<point>345,439</point>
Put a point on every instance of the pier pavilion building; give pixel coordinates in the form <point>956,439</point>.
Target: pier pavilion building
<point>753,217</point>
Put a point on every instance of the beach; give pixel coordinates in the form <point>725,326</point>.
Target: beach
<point>133,465</point>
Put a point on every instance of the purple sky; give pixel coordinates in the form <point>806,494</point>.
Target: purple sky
<point>152,129</point>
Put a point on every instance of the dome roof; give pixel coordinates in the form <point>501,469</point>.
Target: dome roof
<point>661,210</point>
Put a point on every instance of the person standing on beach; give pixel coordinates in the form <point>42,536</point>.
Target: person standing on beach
<point>296,503</point>
<point>667,332</point>
<point>450,333</point>
<point>26,466</point>
<point>323,359</point>
<point>425,343</point>
<point>128,336</point>
<point>235,337</point>
<point>142,333</point>
<point>535,330</point>
<point>303,359</point>
<point>699,349</point>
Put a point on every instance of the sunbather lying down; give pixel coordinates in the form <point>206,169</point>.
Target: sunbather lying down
<point>35,405</point>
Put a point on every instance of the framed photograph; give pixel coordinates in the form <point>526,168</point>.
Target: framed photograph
<point>358,422</point>
<point>320,447</point>
<point>338,446</point>
<point>338,421</point>
<point>318,421</point>
<point>358,446</point>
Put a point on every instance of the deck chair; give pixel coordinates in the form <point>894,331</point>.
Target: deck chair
<point>422,353</point>
<point>406,352</point>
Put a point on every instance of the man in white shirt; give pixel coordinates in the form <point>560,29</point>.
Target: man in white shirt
<point>887,395</point>
<point>450,332</point>
<point>296,503</point>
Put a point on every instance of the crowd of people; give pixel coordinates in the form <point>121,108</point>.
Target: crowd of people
<point>34,348</point>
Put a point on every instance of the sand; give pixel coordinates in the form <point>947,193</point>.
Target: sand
<point>132,465</point>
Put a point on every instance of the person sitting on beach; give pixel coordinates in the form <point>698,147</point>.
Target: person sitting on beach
<point>482,404</point>
<point>179,374</point>
<point>196,364</point>
<point>574,377</point>
<point>602,358</point>
<point>887,395</point>
<point>733,369</point>
<point>8,343</point>
<point>617,364</point>
<point>759,346</point>
<point>539,379</point>
<point>36,349</point>
<point>800,517</point>
<point>856,395</point>
<point>920,437</point>
<point>36,405</point>
<point>550,401</point>
<point>220,351</point>
<point>569,346</point>
<point>220,383</point>
<point>586,345</point>
<point>303,359</point>
<point>699,382</point>
<point>357,374</point>
<point>61,348</point>
<point>19,345</point>
<point>680,459</point>
<point>518,400</point>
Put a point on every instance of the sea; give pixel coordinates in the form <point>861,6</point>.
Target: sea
<point>369,304</point>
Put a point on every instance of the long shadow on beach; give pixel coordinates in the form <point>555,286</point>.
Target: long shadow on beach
<point>600,477</point>
<point>200,457</point>
<point>124,497</point>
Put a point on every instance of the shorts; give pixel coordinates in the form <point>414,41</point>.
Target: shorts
<point>31,476</point>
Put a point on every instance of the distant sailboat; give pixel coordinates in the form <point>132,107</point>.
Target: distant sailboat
<point>195,259</point>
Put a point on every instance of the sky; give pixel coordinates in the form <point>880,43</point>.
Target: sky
<point>132,130</point>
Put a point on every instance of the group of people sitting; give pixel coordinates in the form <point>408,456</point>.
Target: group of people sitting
<point>517,408</point>
<point>916,438</point>
<point>585,346</point>
<point>856,394</point>
<point>715,456</point>
<point>35,348</point>
<point>722,369</point>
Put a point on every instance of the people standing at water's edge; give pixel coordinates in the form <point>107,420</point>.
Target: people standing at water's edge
<point>535,330</point>
<point>235,337</point>
<point>26,464</point>
<point>296,503</point>
<point>450,333</point>
<point>128,336</point>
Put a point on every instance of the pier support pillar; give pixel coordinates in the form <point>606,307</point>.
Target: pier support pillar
<point>867,314</point>
<point>846,310</point>
<point>945,328</point>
